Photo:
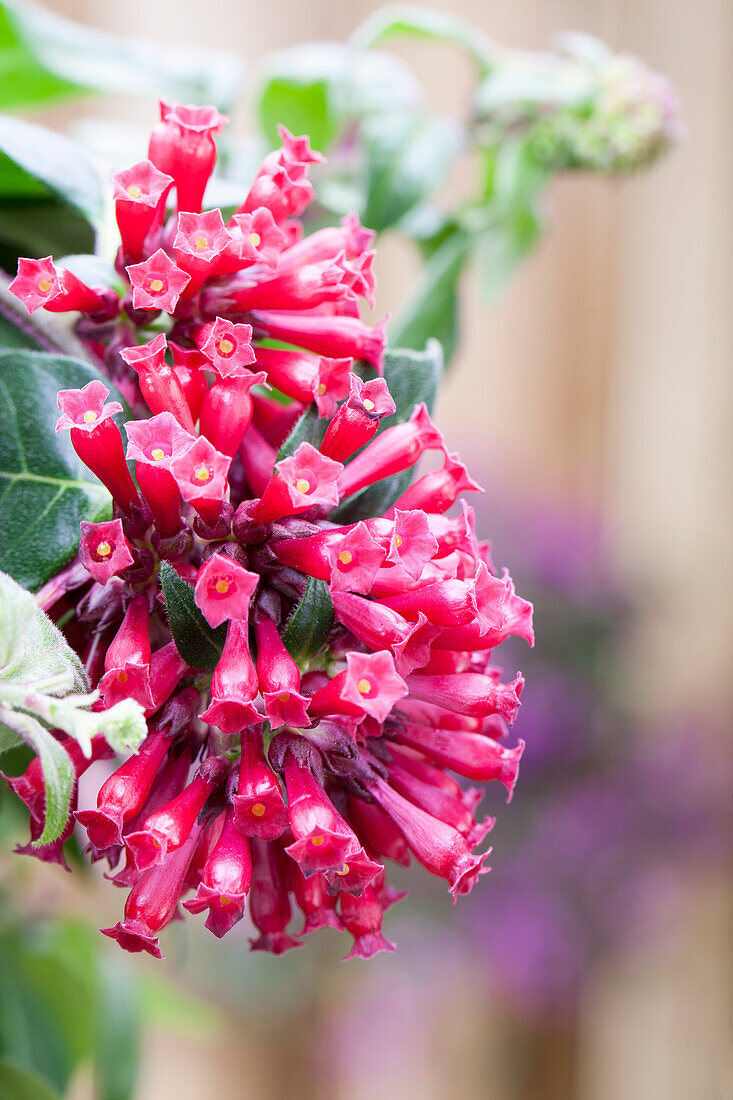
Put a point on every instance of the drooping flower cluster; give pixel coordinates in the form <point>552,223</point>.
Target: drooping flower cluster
<point>274,779</point>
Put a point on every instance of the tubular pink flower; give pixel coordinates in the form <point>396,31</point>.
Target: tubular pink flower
<point>333,336</point>
<point>323,840</point>
<point>306,377</point>
<point>314,901</point>
<point>157,283</point>
<point>168,828</point>
<point>158,381</point>
<point>123,795</point>
<point>234,684</point>
<point>39,283</point>
<point>140,195</point>
<point>201,475</point>
<point>127,660</point>
<point>228,347</point>
<point>278,676</point>
<point>377,625</point>
<point>167,669</point>
<point>438,490</point>
<point>469,693</point>
<point>199,242</point>
<point>440,848</point>
<point>182,145</point>
<point>396,449</point>
<point>350,238</point>
<point>104,551</point>
<point>301,481</point>
<point>413,543</point>
<point>259,808</point>
<point>153,444</point>
<point>258,459</point>
<point>225,881</point>
<point>96,438</point>
<point>378,831</point>
<point>439,803</point>
<point>224,589</point>
<point>305,287</point>
<point>357,420</point>
<point>362,917</point>
<point>370,685</point>
<point>353,878</point>
<point>226,412</point>
<point>151,904</point>
<point>269,901</point>
<point>257,239</point>
<point>356,561</point>
<point>474,755</point>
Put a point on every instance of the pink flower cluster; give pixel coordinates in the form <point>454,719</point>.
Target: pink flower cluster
<point>275,780</point>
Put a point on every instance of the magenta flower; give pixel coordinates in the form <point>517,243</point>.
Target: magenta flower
<point>140,195</point>
<point>224,589</point>
<point>305,479</point>
<point>36,283</point>
<point>228,347</point>
<point>182,145</point>
<point>104,551</point>
<point>157,283</point>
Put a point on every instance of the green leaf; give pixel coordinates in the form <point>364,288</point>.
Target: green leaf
<point>21,1084</point>
<point>58,771</point>
<point>412,21</point>
<point>310,623</point>
<point>195,640</point>
<point>407,157</point>
<point>297,92</point>
<point>32,648</point>
<point>36,162</point>
<point>412,377</point>
<point>433,309</point>
<point>40,227</point>
<point>45,490</point>
<point>308,428</point>
<point>50,56</point>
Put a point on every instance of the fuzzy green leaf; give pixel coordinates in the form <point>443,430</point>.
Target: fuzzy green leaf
<point>310,623</point>
<point>195,640</point>
<point>22,1084</point>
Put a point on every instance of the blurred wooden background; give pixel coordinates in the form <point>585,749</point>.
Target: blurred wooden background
<point>603,377</point>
